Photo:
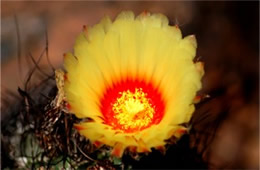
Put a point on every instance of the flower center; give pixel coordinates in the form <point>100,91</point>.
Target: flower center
<point>133,110</point>
<point>131,106</point>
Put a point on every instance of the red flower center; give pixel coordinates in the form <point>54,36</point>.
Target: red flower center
<point>132,106</point>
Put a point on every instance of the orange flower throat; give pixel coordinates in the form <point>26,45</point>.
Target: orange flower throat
<point>132,106</point>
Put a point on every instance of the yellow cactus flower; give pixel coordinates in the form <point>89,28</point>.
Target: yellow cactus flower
<point>135,78</point>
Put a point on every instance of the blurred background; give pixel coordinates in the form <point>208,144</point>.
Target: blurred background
<point>228,43</point>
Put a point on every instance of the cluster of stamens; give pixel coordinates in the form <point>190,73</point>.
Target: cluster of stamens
<point>133,110</point>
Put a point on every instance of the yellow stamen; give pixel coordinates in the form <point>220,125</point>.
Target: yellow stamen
<point>133,110</point>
